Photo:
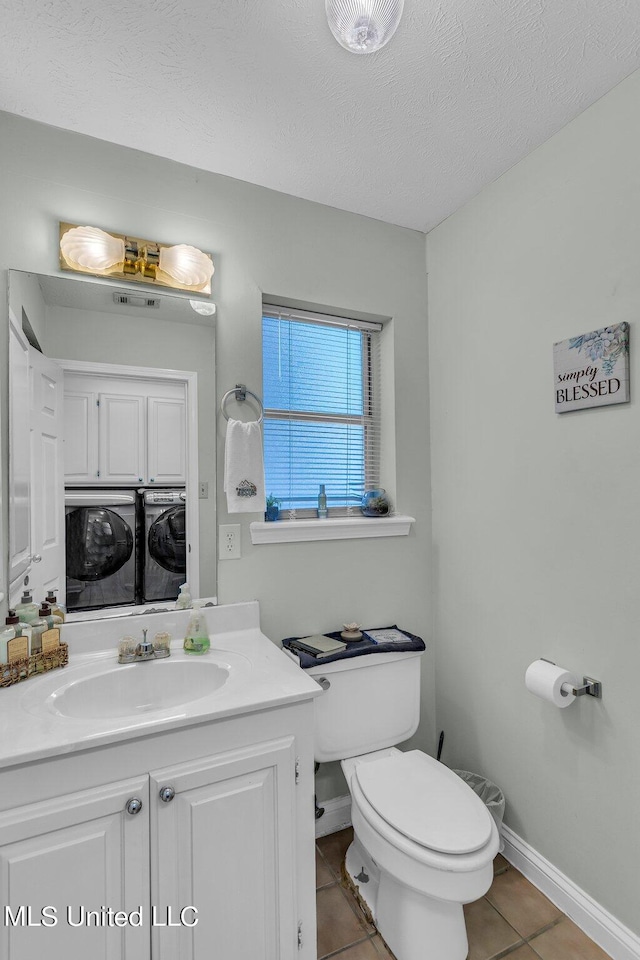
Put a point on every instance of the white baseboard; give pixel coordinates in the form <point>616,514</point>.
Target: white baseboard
<point>336,816</point>
<point>600,925</point>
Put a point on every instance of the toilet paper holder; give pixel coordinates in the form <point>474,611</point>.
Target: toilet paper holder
<point>589,688</point>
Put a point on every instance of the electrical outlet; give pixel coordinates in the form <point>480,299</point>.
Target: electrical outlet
<point>229,541</point>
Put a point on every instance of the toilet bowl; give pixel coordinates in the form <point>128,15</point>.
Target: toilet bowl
<point>423,846</point>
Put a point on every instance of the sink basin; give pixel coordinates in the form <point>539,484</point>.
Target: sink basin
<point>132,690</point>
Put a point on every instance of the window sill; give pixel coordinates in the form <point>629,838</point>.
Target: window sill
<point>335,528</point>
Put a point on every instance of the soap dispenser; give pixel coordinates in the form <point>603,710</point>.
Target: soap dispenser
<point>39,626</point>
<point>7,634</point>
<point>56,609</point>
<point>184,598</point>
<point>196,639</point>
<point>27,610</point>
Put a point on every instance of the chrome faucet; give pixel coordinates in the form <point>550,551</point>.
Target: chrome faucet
<point>131,651</point>
<point>145,650</point>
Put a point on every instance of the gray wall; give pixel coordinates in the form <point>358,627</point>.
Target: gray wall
<point>262,242</point>
<point>536,518</point>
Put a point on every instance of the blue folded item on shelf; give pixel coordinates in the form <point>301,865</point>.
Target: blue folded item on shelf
<point>355,648</point>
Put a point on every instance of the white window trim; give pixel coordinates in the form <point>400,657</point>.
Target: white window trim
<point>333,528</point>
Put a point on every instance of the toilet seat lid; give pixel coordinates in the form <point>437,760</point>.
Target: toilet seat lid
<point>425,801</point>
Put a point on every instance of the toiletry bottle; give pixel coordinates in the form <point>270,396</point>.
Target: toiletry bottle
<point>39,626</point>
<point>56,609</point>
<point>322,503</point>
<point>14,630</point>
<point>7,634</point>
<point>53,619</point>
<point>27,610</point>
<point>196,639</point>
<point>184,598</point>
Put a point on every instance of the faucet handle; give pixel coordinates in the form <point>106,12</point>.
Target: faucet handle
<point>145,648</point>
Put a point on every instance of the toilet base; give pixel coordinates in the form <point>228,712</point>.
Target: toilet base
<point>415,927</point>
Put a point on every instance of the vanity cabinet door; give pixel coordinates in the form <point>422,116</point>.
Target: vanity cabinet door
<point>122,438</point>
<point>225,845</point>
<point>63,857</point>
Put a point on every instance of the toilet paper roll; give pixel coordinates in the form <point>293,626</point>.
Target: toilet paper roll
<point>545,680</point>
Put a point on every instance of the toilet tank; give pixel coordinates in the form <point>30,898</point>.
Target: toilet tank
<point>372,702</point>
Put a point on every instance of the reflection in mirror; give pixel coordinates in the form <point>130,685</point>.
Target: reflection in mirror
<point>107,386</point>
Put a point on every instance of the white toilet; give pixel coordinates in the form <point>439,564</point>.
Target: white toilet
<point>423,842</point>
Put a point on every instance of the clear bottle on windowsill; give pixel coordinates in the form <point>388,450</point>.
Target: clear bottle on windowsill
<point>322,503</point>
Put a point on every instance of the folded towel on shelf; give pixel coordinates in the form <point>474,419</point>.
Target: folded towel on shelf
<point>244,467</point>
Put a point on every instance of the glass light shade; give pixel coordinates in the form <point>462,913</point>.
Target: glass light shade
<point>186,264</point>
<point>363,26</point>
<point>89,248</point>
<point>203,308</point>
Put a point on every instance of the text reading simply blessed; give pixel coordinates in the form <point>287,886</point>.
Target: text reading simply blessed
<point>592,370</point>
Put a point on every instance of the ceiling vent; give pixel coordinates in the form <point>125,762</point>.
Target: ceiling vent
<point>132,300</point>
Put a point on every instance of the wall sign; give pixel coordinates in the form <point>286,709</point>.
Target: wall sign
<point>592,370</point>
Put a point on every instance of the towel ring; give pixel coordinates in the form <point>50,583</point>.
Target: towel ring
<point>240,391</point>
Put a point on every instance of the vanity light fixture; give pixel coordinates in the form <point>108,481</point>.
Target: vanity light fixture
<point>119,257</point>
<point>363,26</point>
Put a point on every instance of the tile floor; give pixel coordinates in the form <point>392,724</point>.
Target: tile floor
<point>514,920</point>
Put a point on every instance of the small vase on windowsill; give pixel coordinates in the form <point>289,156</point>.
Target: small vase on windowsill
<point>375,503</point>
<point>273,508</point>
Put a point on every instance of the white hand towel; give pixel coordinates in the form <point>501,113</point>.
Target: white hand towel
<point>244,468</point>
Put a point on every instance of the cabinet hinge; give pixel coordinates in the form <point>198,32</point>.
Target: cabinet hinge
<point>97,403</point>
<point>297,768</point>
<point>97,473</point>
<point>300,940</point>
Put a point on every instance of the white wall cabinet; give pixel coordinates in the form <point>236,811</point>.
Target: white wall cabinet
<point>233,838</point>
<point>122,439</point>
<point>80,434</point>
<point>124,432</point>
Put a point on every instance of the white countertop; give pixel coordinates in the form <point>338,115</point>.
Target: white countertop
<point>260,677</point>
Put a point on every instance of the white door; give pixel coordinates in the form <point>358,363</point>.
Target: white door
<point>80,436</point>
<point>122,439</point>
<point>79,852</point>
<point>19,454</point>
<point>47,477</point>
<point>167,440</point>
<point>225,844</point>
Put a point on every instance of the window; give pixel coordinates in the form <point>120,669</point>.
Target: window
<point>322,409</point>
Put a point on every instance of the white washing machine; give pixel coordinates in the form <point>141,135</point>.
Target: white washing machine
<point>165,547</point>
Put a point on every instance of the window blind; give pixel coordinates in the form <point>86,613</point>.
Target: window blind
<point>321,393</point>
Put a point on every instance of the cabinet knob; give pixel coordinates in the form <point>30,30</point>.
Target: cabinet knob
<point>139,479</point>
<point>35,558</point>
<point>133,806</point>
<point>167,794</point>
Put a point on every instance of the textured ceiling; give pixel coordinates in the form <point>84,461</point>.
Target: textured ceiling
<point>262,92</point>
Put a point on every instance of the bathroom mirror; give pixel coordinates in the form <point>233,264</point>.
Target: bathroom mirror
<point>112,428</point>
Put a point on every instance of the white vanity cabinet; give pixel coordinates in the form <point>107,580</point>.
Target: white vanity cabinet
<point>225,827</point>
<point>68,854</point>
<point>123,432</point>
<point>229,831</point>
